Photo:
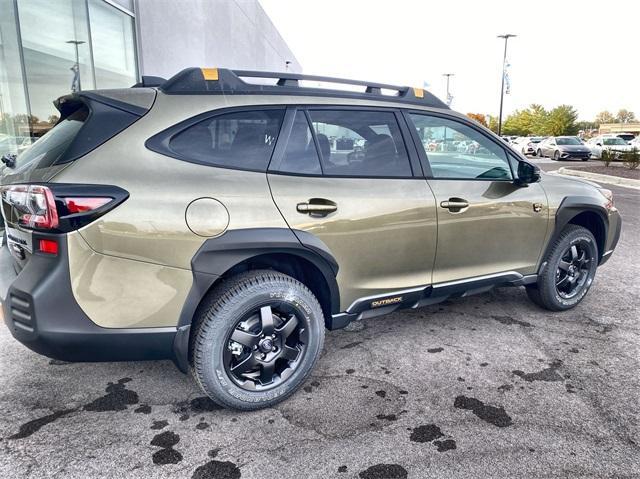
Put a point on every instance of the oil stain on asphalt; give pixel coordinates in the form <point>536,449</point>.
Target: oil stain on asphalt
<point>384,471</point>
<point>432,433</point>
<point>217,469</point>
<point>167,454</point>
<point>547,374</point>
<point>31,427</point>
<point>118,397</point>
<point>491,414</point>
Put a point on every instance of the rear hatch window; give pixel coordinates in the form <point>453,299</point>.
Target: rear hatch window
<point>49,149</point>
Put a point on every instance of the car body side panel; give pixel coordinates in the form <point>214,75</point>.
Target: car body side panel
<point>123,293</point>
<point>500,230</point>
<point>150,226</point>
<point>383,234</point>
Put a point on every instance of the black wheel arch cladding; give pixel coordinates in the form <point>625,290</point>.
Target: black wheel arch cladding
<point>219,255</point>
<point>575,210</point>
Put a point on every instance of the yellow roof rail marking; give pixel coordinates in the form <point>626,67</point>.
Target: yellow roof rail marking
<point>210,73</point>
<point>418,92</point>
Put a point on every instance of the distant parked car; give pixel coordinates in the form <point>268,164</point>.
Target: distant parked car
<point>527,144</point>
<point>563,148</point>
<point>607,142</point>
<point>626,136</point>
<point>635,143</point>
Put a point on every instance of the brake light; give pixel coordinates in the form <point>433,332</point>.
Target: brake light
<point>58,207</point>
<point>34,204</point>
<point>84,204</point>
<point>48,246</point>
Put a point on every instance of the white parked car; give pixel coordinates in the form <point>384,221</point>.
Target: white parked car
<point>607,142</point>
<point>635,142</point>
<point>527,144</point>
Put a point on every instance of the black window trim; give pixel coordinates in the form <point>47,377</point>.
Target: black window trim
<point>276,158</point>
<point>159,142</point>
<point>424,159</point>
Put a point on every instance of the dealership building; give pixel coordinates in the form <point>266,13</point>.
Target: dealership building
<point>52,48</point>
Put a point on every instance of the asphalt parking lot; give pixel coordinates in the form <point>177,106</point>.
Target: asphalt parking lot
<point>487,386</point>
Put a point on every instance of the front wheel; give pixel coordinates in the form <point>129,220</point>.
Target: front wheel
<point>539,154</point>
<point>556,156</point>
<point>567,271</point>
<point>257,340</point>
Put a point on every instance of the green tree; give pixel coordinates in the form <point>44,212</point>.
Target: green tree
<point>530,121</point>
<point>562,121</point>
<point>604,117</point>
<point>625,116</point>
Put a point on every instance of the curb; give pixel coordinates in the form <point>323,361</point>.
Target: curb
<point>612,180</point>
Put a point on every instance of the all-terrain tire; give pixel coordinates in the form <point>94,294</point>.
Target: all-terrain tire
<point>545,293</point>
<point>219,317</point>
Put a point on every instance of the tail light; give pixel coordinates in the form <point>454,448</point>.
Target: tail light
<point>34,205</point>
<point>58,207</point>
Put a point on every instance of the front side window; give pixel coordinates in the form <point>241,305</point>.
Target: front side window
<point>242,140</point>
<point>457,151</point>
<point>360,143</point>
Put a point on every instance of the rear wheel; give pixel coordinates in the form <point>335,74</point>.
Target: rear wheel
<point>567,271</point>
<point>257,340</point>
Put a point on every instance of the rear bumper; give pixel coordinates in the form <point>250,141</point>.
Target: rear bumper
<point>42,313</point>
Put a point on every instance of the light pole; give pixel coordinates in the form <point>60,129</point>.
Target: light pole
<point>449,98</point>
<point>75,43</point>
<point>506,37</point>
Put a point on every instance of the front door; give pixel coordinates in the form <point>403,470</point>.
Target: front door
<point>351,184</point>
<point>486,224</point>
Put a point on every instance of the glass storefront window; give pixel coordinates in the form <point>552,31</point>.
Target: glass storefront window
<point>112,36</point>
<point>14,114</point>
<point>50,32</point>
<point>53,48</point>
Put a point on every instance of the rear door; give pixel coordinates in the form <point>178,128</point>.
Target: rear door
<point>346,176</point>
<point>486,224</point>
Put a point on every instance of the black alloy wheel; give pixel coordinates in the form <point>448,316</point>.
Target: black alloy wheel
<point>265,347</point>
<point>573,269</point>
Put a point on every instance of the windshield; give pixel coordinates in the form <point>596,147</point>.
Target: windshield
<point>536,139</point>
<point>568,141</point>
<point>49,148</point>
<point>614,141</point>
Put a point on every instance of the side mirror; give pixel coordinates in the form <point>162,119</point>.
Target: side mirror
<point>527,173</point>
<point>598,144</point>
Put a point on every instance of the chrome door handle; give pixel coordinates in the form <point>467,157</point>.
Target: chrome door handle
<point>454,204</point>
<point>317,207</point>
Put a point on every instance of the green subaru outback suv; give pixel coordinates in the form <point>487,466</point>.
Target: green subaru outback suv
<point>225,219</point>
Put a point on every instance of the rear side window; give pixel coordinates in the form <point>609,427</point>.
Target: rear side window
<point>242,140</point>
<point>300,155</point>
<point>360,143</point>
<point>48,149</point>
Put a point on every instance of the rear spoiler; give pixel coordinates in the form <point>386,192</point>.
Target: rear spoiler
<point>148,81</point>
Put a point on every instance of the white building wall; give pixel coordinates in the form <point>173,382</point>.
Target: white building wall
<point>176,34</point>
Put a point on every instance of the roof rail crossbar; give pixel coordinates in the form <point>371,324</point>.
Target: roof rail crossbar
<point>230,82</point>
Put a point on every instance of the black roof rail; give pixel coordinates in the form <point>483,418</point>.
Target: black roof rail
<point>194,81</point>
<point>149,81</point>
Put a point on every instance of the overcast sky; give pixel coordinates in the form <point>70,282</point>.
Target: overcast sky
<point>582,53</point>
